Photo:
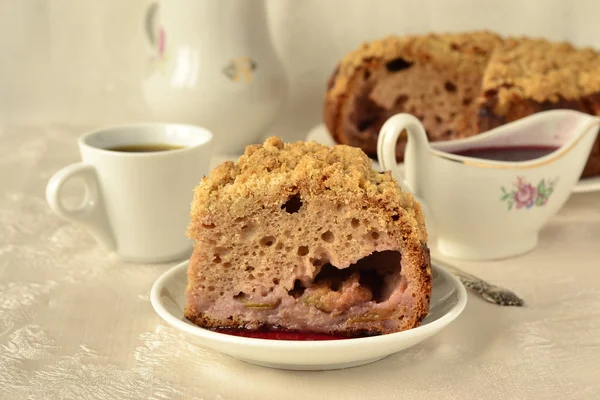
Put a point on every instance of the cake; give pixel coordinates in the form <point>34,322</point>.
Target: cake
<point>303,237</point>
<point>458,85</point>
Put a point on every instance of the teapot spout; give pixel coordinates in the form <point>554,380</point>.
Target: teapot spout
<point>417,151</point>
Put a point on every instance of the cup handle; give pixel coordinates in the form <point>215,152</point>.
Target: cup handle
<point>92,213</point>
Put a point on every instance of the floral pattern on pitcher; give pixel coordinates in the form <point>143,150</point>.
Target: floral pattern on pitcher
<point>161,49</point>
<point>524,195</point>
<point>241,67</point>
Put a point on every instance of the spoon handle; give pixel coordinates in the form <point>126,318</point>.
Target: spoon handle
<point>491,293</point>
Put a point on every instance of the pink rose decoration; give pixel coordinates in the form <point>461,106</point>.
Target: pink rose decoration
<point>525,195</point>
<point>161,42</point>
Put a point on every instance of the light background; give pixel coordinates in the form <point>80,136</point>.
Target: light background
<point>83,61</point>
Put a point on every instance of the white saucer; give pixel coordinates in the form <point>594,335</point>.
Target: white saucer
<point>448,299</point>
<point>320,134</point>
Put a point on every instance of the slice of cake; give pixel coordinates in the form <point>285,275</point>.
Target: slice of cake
<point>437,78</point>
<point>525,76</point>
<point>307,238</point>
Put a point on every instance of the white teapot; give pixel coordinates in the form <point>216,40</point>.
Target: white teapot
<point>213,65</point>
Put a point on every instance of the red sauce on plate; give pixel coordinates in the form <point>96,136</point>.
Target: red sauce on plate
<point>280,335</point>
<point>515,153</point>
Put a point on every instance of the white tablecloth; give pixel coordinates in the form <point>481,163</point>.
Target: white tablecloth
<point>76,324</point>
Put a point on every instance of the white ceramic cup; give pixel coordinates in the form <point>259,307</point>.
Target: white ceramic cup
<point>137,204</point>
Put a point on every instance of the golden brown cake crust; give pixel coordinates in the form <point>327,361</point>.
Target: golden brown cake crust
<point>271,170</point>
<point>543,71</point>
<point>247,246</point>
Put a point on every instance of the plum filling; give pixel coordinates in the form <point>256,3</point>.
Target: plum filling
<point>371,279</point>
<point>373,273</point>
<point>370,291</point>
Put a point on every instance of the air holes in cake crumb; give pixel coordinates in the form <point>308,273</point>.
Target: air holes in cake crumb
<point>216,259</point>
<point>208,226</point>
<point>302,250</point>
<point>395,217</point>
<point>438,119</point>
<point>239,220</point>
<point>450,87</point>
<point>250,277</point>
<point>279,246</point>
<point>317,262</point>
<point>293,204</point>
<point>298,289</point>
<point>249,269</point>
<point>211,288</point>
<point>355,223</point>
<point>226,265</point>
<point>328,236</point>
<point>400,100</point>
<point>467,101</point>
<point>365,124</point>
<point>247,230</point>
<point>267,241</point>
<point>260,275</point>
<point>374,234</point>
<point>366,74</point>
<point>397,64</point>
<point>348,237</point>
<point>240,295</point>
<point>275,281</point>
<point>261,253</point>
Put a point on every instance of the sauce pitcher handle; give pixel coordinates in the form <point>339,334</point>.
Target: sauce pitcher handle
<point>415,156</point>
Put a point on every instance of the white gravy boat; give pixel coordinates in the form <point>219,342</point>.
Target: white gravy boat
<point>485,209</point>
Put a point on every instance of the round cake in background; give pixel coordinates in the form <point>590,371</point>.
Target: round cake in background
<point>458,85</point>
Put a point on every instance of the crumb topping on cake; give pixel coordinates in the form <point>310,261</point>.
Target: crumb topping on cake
<point>542,71</point>
<point>447,48</point>
<point>275,170</point>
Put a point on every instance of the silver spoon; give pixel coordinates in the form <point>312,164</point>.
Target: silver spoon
<point>491,293</point>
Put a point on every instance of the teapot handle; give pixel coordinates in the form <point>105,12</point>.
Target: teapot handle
<point>415,153</point>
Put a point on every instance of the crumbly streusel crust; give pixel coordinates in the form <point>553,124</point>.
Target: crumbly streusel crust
<point>543,71</point>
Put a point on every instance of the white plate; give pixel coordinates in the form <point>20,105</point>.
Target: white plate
<point>448,299</point>
<point>320,134</point>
